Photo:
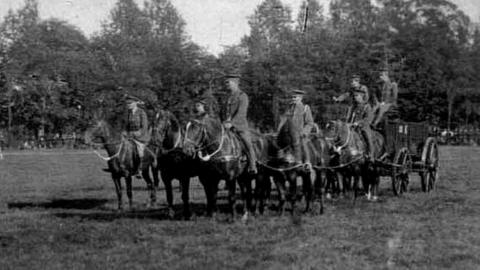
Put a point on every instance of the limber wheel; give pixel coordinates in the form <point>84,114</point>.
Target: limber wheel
<point>402,163</point>
<point>429,174</point>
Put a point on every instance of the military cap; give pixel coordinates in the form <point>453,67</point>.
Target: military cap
<point>298,92</point>
<point>361,90</point>
<point>355,76</point>
<point>132,99</point>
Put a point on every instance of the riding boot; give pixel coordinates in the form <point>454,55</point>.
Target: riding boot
<point>141,155</point>
<point>370,145</point>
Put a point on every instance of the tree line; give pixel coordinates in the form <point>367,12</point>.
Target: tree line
<point>53,77</point>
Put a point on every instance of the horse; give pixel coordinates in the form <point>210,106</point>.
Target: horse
<point>221,156</point>
<point>352,162</point>
<point>123,159</point>
<point>284,161</point>
<point>171,160</point>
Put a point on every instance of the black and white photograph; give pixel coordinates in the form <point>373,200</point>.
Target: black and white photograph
<point>239,134</point>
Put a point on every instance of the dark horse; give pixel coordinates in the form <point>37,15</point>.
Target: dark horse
<point>221,157</point>
<point>283,160</point>
<point>172,162</point>
<point>351,150</point>
<point>123,159</point>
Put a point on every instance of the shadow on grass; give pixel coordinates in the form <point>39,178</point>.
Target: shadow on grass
<point>197,210</point>
<point>81,204</point>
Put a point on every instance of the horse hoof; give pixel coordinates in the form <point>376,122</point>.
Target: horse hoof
<point>171,213</point>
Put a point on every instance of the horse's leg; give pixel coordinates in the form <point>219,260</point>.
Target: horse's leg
<point>185,184</point>
<point>118,190</point>
<point>280,181</point>
<point>150,186</point>
<point>167,183</point>
<point>156,179</point>
<point>307,183</point>
<point>210,188</point>
<point>231,185</point>
<point>128,181</point>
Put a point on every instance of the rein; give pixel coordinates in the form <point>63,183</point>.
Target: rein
<point>347,141</point>
<point>199,149</point>
<point>110,157</point>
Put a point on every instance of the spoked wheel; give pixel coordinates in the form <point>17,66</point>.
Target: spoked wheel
<point>430,160</point>
<point>402,163</point>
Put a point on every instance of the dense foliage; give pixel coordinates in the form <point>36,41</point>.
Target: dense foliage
<point>53,77</point>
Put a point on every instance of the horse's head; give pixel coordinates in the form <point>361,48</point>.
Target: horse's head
<point>337,132</point>
<point>99,132</point>
<point>161,125</point>
<point>195,136</point>
<point>200,135</point>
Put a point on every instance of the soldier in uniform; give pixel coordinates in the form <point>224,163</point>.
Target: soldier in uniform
<point>200,111</point>
<point>388,98</point>
<point>355,87</point>
<point>137,126</point>
<point>362,116</point>
<point>303,119</point>
<point>236,117</point>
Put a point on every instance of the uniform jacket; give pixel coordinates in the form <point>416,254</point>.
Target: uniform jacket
<point>137,125</point>
<point>237,106</point>
<point>302,117</point>
<point>362,114</point>
<point>350,93</point>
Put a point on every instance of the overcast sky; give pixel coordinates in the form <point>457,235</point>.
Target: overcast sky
<point>210,23</point>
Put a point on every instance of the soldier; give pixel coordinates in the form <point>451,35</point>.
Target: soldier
<point>236,117</point>
<point>302,118</point>
<point>362,116</point>
<point>355,86</point>
<point>199,110</point>
<point>137,126</point>
<point>388,98</point>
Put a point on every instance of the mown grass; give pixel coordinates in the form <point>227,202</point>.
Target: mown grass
<point>57,211</point>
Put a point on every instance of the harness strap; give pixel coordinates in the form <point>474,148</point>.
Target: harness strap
<point>110,157</point>
<point>208,156</point>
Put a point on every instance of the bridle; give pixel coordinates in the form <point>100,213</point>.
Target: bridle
<point>165,129</point>
<point>335,140</point>
<point>197,144</point>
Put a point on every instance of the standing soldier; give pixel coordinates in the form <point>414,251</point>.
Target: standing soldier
<point>137,126</point>
<point>388,98</point>
<point>236,117</point>
<point>303,119</point>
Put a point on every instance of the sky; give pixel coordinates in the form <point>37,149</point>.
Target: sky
<point>210,23</point>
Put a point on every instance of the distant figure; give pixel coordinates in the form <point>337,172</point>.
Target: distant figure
<point>137,126</point>
<point>237,107</point>
<point>388,99</point>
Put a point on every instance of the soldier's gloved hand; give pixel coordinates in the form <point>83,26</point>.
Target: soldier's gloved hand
<point>124,134</point>
<point>227,125</point>
<point>335,99</point>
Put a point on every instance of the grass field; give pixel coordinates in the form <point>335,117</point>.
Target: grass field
<point>57,211</point>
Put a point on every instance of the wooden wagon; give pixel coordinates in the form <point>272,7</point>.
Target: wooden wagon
<point>410,149</point>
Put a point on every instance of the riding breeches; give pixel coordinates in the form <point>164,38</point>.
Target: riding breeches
<point>141,148</point>
<point>368,136</point>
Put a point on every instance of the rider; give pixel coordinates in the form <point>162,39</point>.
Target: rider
<point>137,126</point>
<point>302,118</point>
<point>355,86</point>
<point>199,110</point>
<point>362,116</point>
<point>388,98</point>
<point>237,106</point>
